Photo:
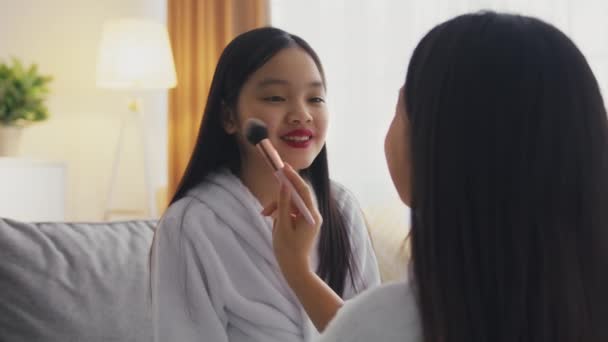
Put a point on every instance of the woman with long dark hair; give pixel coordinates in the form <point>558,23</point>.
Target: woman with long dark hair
<point>215,277</point>
<point>500,146</point>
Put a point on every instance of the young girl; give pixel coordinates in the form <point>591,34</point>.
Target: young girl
<point>500,146</point>
<point>214,272</point>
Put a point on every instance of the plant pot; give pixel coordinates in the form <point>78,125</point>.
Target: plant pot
<point>10,139</point>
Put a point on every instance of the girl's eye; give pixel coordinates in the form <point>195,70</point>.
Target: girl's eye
<point>317,100</point>
<point>274,99</point>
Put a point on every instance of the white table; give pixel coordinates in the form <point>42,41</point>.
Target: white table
<point>32,190</point>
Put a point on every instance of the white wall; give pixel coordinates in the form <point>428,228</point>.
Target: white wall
<point>62,36</point>
<point>365,46</point>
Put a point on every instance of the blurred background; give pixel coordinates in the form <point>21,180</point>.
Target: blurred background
<point>75,165</point>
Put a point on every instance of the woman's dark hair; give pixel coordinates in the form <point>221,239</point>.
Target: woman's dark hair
<point>215,149</point>
<point>509,143</point>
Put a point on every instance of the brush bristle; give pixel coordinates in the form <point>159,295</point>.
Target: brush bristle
<point>255,131</point>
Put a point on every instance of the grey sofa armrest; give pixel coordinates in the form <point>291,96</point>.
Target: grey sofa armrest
<point>75,281</point>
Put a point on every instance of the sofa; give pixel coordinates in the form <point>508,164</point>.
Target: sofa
<point>75,281</point>
<point>63,282</point>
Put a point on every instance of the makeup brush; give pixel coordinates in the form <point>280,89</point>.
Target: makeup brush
<point>257,134</point>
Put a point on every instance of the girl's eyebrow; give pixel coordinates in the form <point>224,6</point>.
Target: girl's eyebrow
<point>276,81</point>
<point>272,81</point>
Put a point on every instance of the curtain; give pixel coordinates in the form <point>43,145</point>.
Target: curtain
<point>365,46</point>
<point>199,30</point>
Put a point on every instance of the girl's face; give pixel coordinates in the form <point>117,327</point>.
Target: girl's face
<point>288,94</point>
<point>397,151</point>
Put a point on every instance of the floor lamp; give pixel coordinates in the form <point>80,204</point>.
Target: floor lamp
<point>134,55</point>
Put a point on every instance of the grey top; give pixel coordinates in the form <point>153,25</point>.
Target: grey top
<point>387,313</point>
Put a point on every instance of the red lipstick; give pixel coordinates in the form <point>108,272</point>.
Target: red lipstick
<point>298,138</point>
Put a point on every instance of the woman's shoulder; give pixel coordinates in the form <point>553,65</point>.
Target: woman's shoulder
<point>384,297</point>
<point>185,215</point>
<point>185,206</point>
<point>343,196</point>
<point>385,313</point>
<point>351,212</point>
<point>347,204</point>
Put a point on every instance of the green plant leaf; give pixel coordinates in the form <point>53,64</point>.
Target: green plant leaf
<point>23,92</point>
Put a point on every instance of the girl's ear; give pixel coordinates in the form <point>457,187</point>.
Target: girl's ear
<point>229,120</point>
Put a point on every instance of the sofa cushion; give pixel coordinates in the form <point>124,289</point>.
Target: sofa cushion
<point>75,281</point>
<point>389,228</point>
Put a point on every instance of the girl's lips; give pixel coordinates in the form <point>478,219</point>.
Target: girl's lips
<point>298,144</point>
<point>298,138</point>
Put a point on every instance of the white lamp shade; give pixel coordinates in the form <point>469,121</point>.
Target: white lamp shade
<point>136,54</point>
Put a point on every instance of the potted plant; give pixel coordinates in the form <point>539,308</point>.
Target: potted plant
<point>22,101</point>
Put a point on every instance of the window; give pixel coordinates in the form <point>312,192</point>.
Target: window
<point>365,46</point>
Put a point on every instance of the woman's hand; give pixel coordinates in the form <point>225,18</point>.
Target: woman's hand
<point>292,237</point>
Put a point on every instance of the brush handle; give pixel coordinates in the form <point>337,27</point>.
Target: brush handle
<point>297,200</point>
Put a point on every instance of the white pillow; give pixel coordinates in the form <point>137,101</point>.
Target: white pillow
<point>389,226</point>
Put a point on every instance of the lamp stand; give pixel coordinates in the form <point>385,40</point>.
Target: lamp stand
<point>135,112</point>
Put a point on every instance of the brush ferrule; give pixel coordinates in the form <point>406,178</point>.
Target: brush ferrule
<point>270,154</point>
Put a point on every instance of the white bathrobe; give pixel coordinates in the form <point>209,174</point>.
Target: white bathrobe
<point>215,277</point>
